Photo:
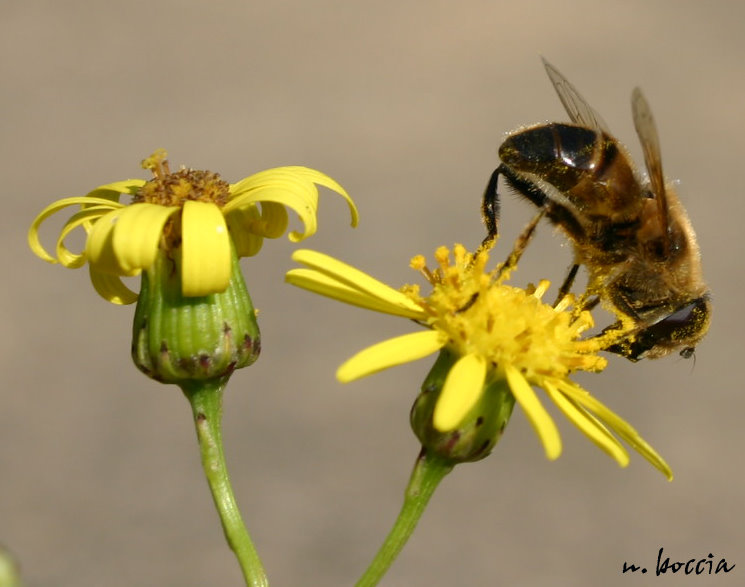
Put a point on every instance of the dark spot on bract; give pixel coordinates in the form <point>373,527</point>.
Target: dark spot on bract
<point>452,440</point>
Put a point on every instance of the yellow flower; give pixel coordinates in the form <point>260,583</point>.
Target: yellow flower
<point>496,333</point>
<point>191,209</point>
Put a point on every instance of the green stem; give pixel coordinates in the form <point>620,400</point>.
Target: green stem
<point>205,398</point>
<point>428,471</point>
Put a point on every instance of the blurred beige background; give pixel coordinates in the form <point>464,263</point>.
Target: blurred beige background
<point>404,103</point>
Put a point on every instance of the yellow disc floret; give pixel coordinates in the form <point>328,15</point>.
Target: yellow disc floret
<point>506,325</point>
<point>173,189</point>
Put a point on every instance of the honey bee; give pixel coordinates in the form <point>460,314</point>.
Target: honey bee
<point>631,234</point>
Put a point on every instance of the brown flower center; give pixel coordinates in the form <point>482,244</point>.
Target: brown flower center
<point>173,189</point>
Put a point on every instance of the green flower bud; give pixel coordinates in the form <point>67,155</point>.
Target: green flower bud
<point>177,338</point>
<point>479,430</point>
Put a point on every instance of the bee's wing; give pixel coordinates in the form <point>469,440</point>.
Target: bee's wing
<point>647,131</point>
<point>576,106</point>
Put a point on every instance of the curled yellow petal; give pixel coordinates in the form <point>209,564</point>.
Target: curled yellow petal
<point>111,288</point>
<point>463,387</point>
<point>389,353</point>
<point>265,218</point>
<point>328,182</point>
<point>85,217</point>
<point>112,191</point>
<point>206,250</point>
<point>271,223</point>
<point>274,220</point>
<point>537,415</point>
<point>294,187</point>
<point>100,250</point>
<point>356,279</point>
<point>241,223</point>
<point>33,231</point>
<point>137,233</point>
<point>301,197</point>
<point>588,425</point>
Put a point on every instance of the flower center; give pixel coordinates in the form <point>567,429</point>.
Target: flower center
<point>173,189</point>
<point>504,324</point>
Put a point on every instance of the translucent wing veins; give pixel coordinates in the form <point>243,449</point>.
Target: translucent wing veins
<point>580,112</point>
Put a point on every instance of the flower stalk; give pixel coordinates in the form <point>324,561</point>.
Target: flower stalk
<point>429,470</point>
<point>472,440</point>
<point>205,398</point>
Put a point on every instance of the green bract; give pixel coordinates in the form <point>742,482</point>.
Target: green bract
<point>177,338</point>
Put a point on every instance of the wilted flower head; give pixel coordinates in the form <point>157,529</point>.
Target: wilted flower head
<point>184,231</point>
<point>191,209</point>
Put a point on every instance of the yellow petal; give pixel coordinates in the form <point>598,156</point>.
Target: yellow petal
<point>86,217</point>
<point>537,415</point>
<point>137,232</point>
<point>588,425</point>
<point>293,187</point>
<point>389,353</point>
<point>274,219</point>
<point>264,219</point>
<point>241,223</point>
<point>463,387</point>
<point>99,248</point>
<point>326,286</point>
<point>356,279</point>
<point>269,202</point>
<point>617,424</point>
<point>296,195</point>
<point>106,196</point>
<point>111,288</point>
<point>328,182</point>
<point>206,250</point>
<point>33,232</point>
<point>112,191</point>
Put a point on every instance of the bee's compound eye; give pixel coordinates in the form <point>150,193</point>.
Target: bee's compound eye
<point>681,323</point>
<point>681,317</point>
<point>680,330</point>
